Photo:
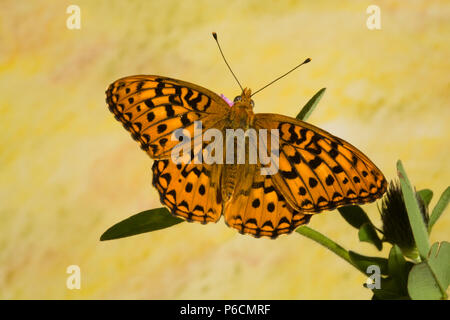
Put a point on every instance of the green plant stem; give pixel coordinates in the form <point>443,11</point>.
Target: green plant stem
<point>326,242</point>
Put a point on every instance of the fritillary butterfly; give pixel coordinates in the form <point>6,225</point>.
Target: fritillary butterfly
<point>317,171</point>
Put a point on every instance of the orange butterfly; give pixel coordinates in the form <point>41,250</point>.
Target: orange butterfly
<point>317,171</point>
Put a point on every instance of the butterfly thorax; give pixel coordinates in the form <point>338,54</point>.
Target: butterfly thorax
<point>241,115</point>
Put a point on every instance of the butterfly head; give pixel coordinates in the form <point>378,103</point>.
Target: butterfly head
<point>244,100</point>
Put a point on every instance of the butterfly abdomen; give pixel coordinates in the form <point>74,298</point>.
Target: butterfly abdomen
<point>228,180</point>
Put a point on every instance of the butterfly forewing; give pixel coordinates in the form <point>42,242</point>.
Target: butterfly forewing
<point>151,108</point>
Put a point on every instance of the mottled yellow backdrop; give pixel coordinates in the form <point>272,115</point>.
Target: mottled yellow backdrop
<point>68,170</point>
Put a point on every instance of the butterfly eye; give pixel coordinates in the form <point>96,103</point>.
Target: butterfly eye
<point>252,103</point>
<point>238,98</point>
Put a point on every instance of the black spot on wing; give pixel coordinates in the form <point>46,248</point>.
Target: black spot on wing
<point>314,163</point>
<point>161,128</point>
<point>312,182</point>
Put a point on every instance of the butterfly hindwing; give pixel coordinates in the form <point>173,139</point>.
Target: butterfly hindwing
<point>152,107</point>
<point>191,191</point>
<point>318,171</point>
<point>259,209</point>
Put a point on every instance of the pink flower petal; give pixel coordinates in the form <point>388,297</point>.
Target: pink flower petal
<point>226,100</point>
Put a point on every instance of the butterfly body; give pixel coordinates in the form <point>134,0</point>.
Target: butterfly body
<point>316,171</point>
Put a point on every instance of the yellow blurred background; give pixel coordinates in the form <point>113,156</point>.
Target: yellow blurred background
<point>69,170</point>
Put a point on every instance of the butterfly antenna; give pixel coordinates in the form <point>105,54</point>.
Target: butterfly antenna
<point>217,41</point>
<point>304,62</point>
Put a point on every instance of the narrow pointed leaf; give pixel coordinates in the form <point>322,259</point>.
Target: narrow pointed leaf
<point>439,208</point>
<point>146,221</point>
<point>310,105</point>
<point>426,195</point>
<point>418,226</point>
<point>354,215</point>
<point>367,233</point>
<point>398,266</point>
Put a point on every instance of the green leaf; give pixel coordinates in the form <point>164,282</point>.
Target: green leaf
<point>310,105</point>
<point>395,286</point>
<point>439,208</point>
<point>418,226</point>
<point>390,290</point>
<point>426,195</point>
<point>354,215</point>
<point>367,233</point>
<point>439,261</point>
<point>362,262</point>
<point>422,285</point>
<point>398,266</point>
<point>430,279</point>
<point>146,221</point>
